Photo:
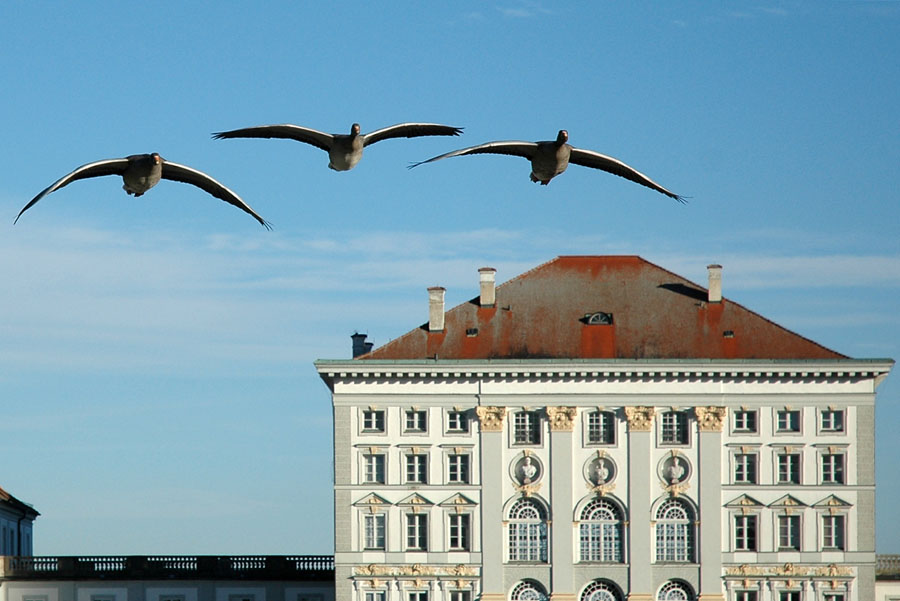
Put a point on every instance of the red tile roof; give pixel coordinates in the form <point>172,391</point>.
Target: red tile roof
<point>656,314</point>
<point>17,505</point>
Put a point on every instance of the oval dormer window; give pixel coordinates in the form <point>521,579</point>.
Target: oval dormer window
<point>599,319</point>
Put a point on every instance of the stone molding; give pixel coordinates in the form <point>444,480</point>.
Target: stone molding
<point>491,418</point>
<point>562,419</point>
<point>640,419</point>
<point>414,570</point>
<point>711,419</point>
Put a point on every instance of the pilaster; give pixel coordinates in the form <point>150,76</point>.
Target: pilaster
<point>562,575</point>
<point>710,421</point>
<point>640,424</point>
<point>491,421</point>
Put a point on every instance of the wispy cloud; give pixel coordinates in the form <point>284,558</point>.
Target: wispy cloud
<point>524,10</point>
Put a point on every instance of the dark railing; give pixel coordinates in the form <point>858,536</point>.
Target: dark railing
<point>887,567</point>
<point>127,567</point>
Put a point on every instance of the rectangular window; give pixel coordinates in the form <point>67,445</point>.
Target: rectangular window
<point>460,596</point>
<point>789,532</point>
<point>745,468</point>
<point>373,421</point>
<point>833,468</point>
<point>375,596</point>
<point>374,527</point>
<point>674,427</point>
<point>415,421</point>
<point>601,427</point>
<point>745,533</point>
<point>788,420</point>
<point>417,469</point>
<point>458,468</point>
<point>789,468</point>
<point>417,596</point>
<point>831,421</point>
<point>745,596</point>
<point>373,467</point>
<point>745,421</point>
<point>789,596</point>
<point>527,426</point>
<point>833,532</point>
<point>459,532</point>
<point>416,532</point>
<point>841,597</point>
<point>457,421</point>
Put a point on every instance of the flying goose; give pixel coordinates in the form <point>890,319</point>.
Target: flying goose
<point>550,158</point>
<point>140,172</point>
<point>344,151</point>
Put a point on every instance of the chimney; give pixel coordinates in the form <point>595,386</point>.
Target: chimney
<point>360,346</point>
<point>436,309</point>
<point>486,277</point>
<point>715,283</point>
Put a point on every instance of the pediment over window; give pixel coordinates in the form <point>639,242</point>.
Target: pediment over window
<point>744,501</point>
<point>832,501</point>
<point>372,500</point>
<point>415,500</point>
<point>458,500</point>
<point>787,501</point>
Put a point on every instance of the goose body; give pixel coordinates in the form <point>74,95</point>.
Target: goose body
<point>140,172</point>
<point>344,150</point>
<point>551,158</point>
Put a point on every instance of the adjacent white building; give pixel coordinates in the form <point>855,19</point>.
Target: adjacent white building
<point>601,429</point>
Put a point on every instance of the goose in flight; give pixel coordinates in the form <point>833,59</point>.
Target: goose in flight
<point>550,158</point>
<point>140,172</point>
<point>344,150</point>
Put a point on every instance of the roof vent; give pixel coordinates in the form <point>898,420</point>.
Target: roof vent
<point>598,319</point>
<point>715,283</point>
<point>488,294</point>
<point>436,309</point>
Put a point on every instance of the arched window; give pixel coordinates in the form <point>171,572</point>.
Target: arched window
<point>527,531</point>
<point>674,532</point>
<point>674,590</point>
<point>601,532</point>
<point>528,590</point>
<point>601,590</point>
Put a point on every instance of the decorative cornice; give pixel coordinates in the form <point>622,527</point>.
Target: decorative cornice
<point>491,418</point>
<point>640,419</point>
<point>710,419</point>
<point>415,570</point>
<point>562,419</point>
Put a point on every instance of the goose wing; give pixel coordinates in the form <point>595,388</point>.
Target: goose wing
<point>514,148</point>
<point>187,175</point>
<point>96,169</point>
<point>595,160</point>
<point>287,131</point>
<point>410,130</point>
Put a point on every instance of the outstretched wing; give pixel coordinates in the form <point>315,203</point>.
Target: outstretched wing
<point>287,131</point>
<point>588,158</point>
<point>514,148</point>
<point>105,167</point>
<point>180,173</point>
<point>410,130</point>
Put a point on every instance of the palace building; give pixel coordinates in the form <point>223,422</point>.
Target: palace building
<point>601,429</point>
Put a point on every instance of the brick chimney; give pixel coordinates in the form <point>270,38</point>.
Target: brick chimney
<point>486,277</point>
<point>436,309</point>
<point>715,283</point>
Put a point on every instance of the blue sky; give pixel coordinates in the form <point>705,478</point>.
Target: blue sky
<point>156,353</point>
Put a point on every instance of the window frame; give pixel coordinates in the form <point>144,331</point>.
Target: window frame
<point>415,468</point>
<point>794,532</point>
<point>606,429</point>
<point>750,538</point>
<point>601,540</point>
<point>836,534</point>
<point>463,471</point>
<point>463,534</point>
<point>789,430</point>
<point>366,540</point>
<point>680,428</point>
<point>831,428</point>
<point>796,464</point>
<point>836,467</point>
<point>529,434</point>
<point>746,465</point>
<point>745,429</point>
<point>531,535</point>
<point>376,425</point>
<point>462,415</point>
<point>677,538</point>
<point>415,421</point>
<point>375,458</point>
<point>416,534</point>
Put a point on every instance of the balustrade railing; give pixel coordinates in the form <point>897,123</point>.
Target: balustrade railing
<point>887,567</point>
<point>272,567</point>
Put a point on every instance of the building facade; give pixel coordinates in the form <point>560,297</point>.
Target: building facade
<point>16,525</point>
<point>601,429</point>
